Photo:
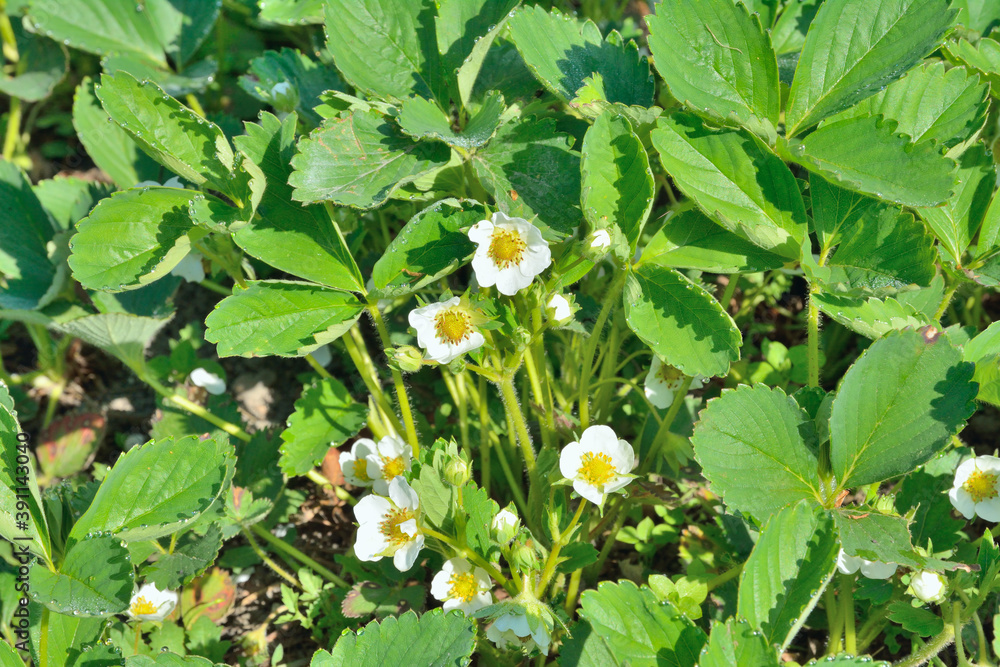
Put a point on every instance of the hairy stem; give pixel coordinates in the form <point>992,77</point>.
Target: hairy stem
<point>587,368</point>
<point>289,550</point>
<point>402,400</point>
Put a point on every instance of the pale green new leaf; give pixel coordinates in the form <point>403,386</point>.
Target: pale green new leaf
<point>307,77</point>
<point>754,446</point>
<point>563,51</point>
<point>132,238</point>
<point>359,160</point>
<point>293,12</point>
<point>280,318</point>
<point>790,565</point>
<point>983,57</point>
<point>737,643</point>
<point>736,179</point>
<point>957,221</point>
<point>854,49</point>
<point>867,155</point>
<point>617,182</point>
<point>979,15</point>
<point>683,324</point>
<point>717,59</point>
<point>25,231</point>
<point>120,335</point>
<point>157,488</point>
<point>95,579</point>
<point>622,624</point>
<point>434,638</point>
<point>424,119</point>
<point>98,26</point>
<point>19,483</point>
<point>871,317</point>
<point>877,537</point>
<point>897,406</point>
<point>325,416</point>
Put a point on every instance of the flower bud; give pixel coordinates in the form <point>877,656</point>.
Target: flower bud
<point>284,97</point>
<point>408,358</point>
<point>505,525</point>
<point>928,586</point>
<point>524,558</point>
<point>457,472</point>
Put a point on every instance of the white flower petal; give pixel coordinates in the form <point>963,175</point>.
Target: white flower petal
<point>560,308</point>
<point>440,587</point>
<point>847,564</point>
<point>571,459</point>
<point>962,501</point>
<point>481,232</point>
<point>599,438</point>
<point>403,494</point>
<point>989,509</point>
<point>371,509</point>
<point>588,491</point>
<point>873,569</point>
<point>407,554</point>
<point>963,471</point>
<point>211,382</point>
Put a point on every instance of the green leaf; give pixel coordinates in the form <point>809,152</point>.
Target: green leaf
<point>925,492</point>
<point>736,180</point>
<point>168,659</point>
<point>717,59</point>
<point>957,221</point>
<point>480,510</point>
<point>293,12</point>
<point>301,240</point>
<point>190,558</point>
<point>67,199</point>
<point>15,477</point>
<point>66,637</point>
<point>878,537</point>
<point>870,317</point>
<point>866,154</point>
<point>182,25</point>
<point>157,488</point>
<point>195,78</point>
<point>25,231</point>
<point>983,350</point>
<point>532,160</point>
<point>465,31</point>
<point>884,39</point>
<point>897,406</point>
<point>737,643</point>
<point>789,32</point>
<point>397,56</point>
<point>431,243</point>
<point>95,579</point>
<point>132,238</point>
<point>691,240</point>
<point>930,104</point>
<point>98,26</point>
<point>617,183</point>
<point>683,324</point>
<point>787,571</point>
<point>979,15</point>
<point>563,51</point>
<point>755,447</point>
<point>120,335</point>
<point>983,58</point>
<point>110,147</point>
<point>325,416</point>
<point>41,65</point>
<point>173,135</point>
<point>918,620</point>
<point>359,160</point>
<point>424,119</point>
<point>280,318</point>
<point>307,77</point>
<point>622,624</point>
<point>433,638</point>
<point>835,209</point>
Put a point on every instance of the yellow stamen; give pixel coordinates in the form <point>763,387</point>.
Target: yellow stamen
<point>463,586</point>
<point>392,467</point>
<point>596,469</point>
<point>669,374</point>
<point>981,486</point>
<point>507,247</point>
<point>390,526</point>
<point>361,470</point>
<point>453,325</point>
<point>142,607</point>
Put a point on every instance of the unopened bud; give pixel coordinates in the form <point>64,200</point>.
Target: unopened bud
<point>456,472</point>
<point>408,358</point>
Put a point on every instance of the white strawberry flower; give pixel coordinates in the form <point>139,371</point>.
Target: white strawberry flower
<point>190,268</point>
<point>212,383</point>
<point>976,489</point>
<point>391,458</point>
<point>560,308</point>
<point>510,252</point>
<point>598,464</point>
<point>515,630</point>
<point>600,239</point>
<point>446,330</point>
<point>149,603</point>
<point>663,381</point>
<point>388,526</point>
<point>928,586</point>
<point>460,586</point>
<point>354,464</point>
<point>871,569</point>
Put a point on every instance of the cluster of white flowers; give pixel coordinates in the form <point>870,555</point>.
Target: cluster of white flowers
<point>375,465</point>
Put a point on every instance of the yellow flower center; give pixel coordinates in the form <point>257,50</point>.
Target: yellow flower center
<point>453,325</point>
<point>669,374</point>
<point>981,485</point>
<point>142,607</point>
<point>361,470</point>
<point>597,469</point>
<point>506,247</point>
<point>392,467</point>
<point>390,526</point>
<point>463,586</point>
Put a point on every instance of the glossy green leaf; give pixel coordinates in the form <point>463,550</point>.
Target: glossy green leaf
<point>736,180</point>
<point>683,324</point>
<point>280,318</point>
<point>790,565</point>
<point>359,160</point>
<point>717,59</point>
<point>737,643</point>
<point>325,416</point>
<point>157,488</point>
<point>984,351</point>
<point>871,317</point>
<point>897,406</point>
<point>979,15</point>
<point>983,57</point>
<point>168,659</point>
<point>19,483</point>
<point>855,49</point>
<point>867,155</point>
<point>289,67</point>
<point>293,12</point>
<point>957,221</point>
<point>25,231</point>
<point>878,537</point>
<point>434,638</point>
<point>465,31</point>
<point>120,335</point>
<point>132,238</point>
<point>755,447</point>
<point>530,170</point>
<point>41,65</point>
<point>68,199</point>
<point>835,209</point>
<point>563,51</point>
<point>918,620</point>
<point>617,182</point>
<point>193,79</point>
<point>98,26</point>
<point>789,32</point>
<point>65,639</point>
<point>431,243</point>
<point>95,579</point>
<point>424,119</point>
<point>622,624</point>
<point>191,556</point>
<point>301,240</point>
<point>182,25</point>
